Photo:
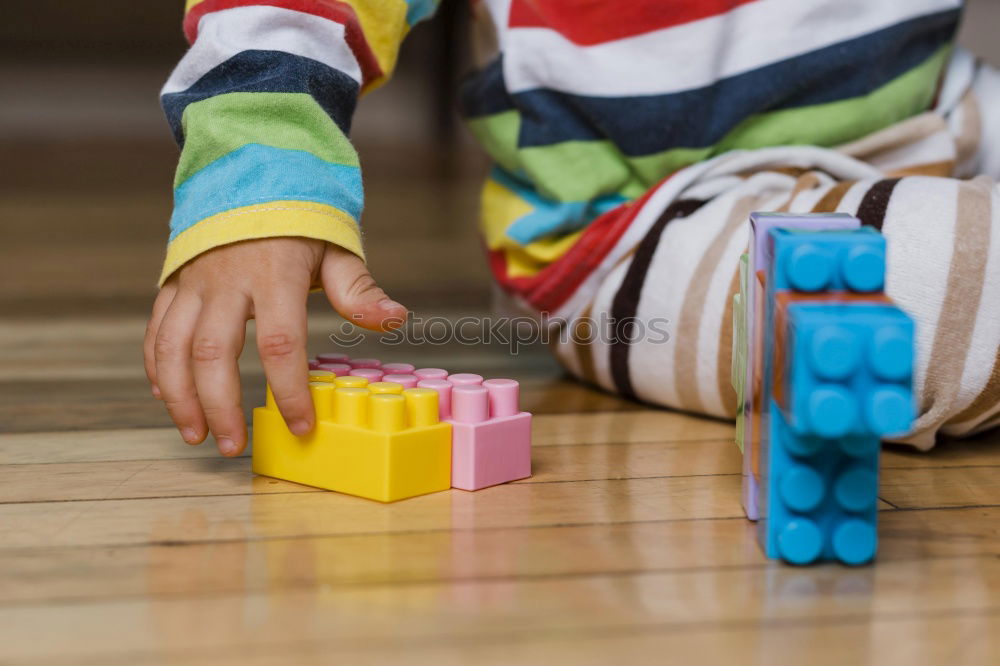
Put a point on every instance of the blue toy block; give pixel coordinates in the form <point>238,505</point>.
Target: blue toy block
<point>827,376</point>
<point>821,261</point>
<point>757,261</point>
<point>847,378</point>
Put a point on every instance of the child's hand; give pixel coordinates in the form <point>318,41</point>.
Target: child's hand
<point>197,329</point>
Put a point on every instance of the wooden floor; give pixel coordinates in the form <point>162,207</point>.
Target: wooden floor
<point>121,545</point>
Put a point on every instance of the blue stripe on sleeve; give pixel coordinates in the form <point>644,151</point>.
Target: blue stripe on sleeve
<point>256,174</point>
<point>273,72</point>
<point>418,10</point>
<point>551,217</point>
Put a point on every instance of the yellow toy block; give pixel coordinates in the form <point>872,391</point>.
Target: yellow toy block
<point>379,442</point>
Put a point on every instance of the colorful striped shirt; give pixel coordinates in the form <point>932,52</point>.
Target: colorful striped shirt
<point>588,104</point>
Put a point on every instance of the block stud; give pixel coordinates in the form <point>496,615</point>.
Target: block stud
<point>421,406</point>
<point>350,406</point>
<point>834,352</point>
<point>863,268</point>
<point>854,490</point>
<point>855,541</point>
<point>313,364</point>
<point>350,382</point>
<point>407,381</point>
<point>387,412</point>
<point>332,357</point>
<point>322,397</point>
<point>269,401</point>
<point>371,374</point>
<point>890,410</point>
<point>832,411</point>
<point>859,445</point>
<point>443,388</point>
<point>465,379</point>
<point>386,387</point>
<point>364,363</point>
<point>430,373</point>
<point>809,268</point>
<point>891,354</point>
<point>398,368</point>
<point>469,404</point>
<point>801,488</point>
<point>321,376</point>
<point>339,369</point>
<point>800,541</point>
<point>503,397</point>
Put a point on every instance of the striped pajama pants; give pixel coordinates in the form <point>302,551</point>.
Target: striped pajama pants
<point>929,183</point>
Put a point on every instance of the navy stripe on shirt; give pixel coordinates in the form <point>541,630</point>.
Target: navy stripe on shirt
<point>697,118</point>
<point>271,72</point>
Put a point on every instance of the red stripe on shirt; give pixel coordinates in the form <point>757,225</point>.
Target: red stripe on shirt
<point>333,10</point>
<point>589,22</point>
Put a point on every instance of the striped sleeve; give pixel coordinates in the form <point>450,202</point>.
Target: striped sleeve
<point>261,106</point>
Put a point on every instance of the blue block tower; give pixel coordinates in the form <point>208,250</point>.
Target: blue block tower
<point>837,378</point>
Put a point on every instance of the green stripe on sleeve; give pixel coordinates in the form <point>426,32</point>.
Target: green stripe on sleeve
<point>222,124</point>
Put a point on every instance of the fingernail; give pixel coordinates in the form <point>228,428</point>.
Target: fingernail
<point>227,446</point>
<point>189,435</point>
<point>156,391</point>
<point>389,305</point>
<point>299,427</point>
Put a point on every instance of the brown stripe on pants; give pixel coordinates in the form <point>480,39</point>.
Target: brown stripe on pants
<point>725,353</point>
<point>833,197</point>
<point>960,309</point>
<point>689,319</point>
<point>626,300</point>
<point>582,338</point>
<point>989,396</point>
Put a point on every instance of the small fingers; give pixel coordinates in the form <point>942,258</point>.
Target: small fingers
<point>172,349</point>
<point>215,351</point>
<point>281,341</point>
<point>160,306</point>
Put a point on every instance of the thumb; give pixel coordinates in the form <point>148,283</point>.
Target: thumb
<point>352,292</point>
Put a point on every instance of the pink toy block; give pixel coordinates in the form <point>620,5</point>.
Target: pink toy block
<point>313,364</point>
<point>339,369</point>
<point>491,437</point>
<point>398,368</point>
<point>408,381</point>
<point>371,374</point>
<point>430,373</point>
<point>331,358</point>
<point>465,379</point>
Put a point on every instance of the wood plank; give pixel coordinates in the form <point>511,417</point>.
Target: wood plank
<point>958,486</point>
<point>219,476</point>
<point>973,452</point>
<point>902,640</point>
<point>504,610</point>
<point>125,522</point>
<point>98,446</point>
<point>164,443</point>
<point>221,557</point>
